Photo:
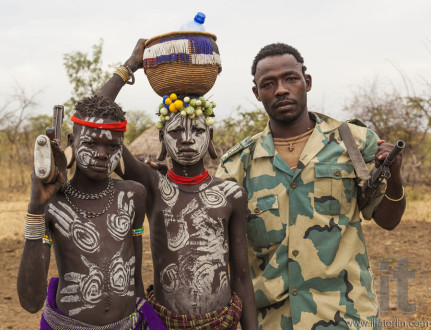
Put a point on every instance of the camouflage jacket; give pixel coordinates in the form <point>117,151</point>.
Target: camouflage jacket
<point>307,254</point>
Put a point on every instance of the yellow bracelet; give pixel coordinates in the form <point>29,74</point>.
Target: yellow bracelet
<point>35,217</point>
<point>123,73</point>
<point>395,200</point>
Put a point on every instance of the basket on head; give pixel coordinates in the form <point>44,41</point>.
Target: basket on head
<point>183,62</point>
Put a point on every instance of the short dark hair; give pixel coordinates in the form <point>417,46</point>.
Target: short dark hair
<point>99,107</point>
<point>277,49</point>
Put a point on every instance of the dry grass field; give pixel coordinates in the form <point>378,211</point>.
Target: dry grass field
<point>410,239</point>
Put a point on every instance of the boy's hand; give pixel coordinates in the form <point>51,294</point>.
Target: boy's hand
<point>161,167</point>
<point>135,60</point>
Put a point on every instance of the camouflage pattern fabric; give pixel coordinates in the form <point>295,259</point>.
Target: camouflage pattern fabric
<point>307,254</point>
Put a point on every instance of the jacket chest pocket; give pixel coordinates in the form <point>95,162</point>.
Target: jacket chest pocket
<point>264,226</point>
<point>334,188</point>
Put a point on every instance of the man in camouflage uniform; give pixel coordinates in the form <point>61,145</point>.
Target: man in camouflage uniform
<point>307,254</point>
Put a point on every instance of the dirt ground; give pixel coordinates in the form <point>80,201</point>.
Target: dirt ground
<point>386,250</point>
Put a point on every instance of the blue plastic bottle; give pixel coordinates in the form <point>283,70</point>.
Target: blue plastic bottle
<point>197,24</point>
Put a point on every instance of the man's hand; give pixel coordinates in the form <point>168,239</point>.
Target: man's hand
<point>382,152</point>
<point>135,61</point>
<point>161,167</point>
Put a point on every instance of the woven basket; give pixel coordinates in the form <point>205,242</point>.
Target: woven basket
<point>180,73</point>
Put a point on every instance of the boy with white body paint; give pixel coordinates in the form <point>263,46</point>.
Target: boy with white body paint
<point>96,227</point>
<point>197,228</point>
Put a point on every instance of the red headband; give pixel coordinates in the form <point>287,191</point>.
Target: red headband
<point>120,126</point>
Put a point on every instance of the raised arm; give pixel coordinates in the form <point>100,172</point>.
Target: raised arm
<point>240,279</point>
<point>113,86</point>
<point>33,269</point>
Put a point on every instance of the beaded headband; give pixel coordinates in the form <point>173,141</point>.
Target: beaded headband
<point>119,126</point>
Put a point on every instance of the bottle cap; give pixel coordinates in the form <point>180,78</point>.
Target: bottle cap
<point>200,18</point>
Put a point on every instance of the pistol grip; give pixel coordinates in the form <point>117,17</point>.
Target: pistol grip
<point>44,166</point>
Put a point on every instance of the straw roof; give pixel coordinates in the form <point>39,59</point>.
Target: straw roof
<point>146,144</point>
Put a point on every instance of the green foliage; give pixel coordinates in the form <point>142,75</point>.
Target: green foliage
<point>137,122</point>
<point>235,128</point>
<point>85,74</point>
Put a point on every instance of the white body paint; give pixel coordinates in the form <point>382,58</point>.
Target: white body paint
<point>199,242</point>
<point>88,288</point>
<point>120,223</point>
<point>84,235</point>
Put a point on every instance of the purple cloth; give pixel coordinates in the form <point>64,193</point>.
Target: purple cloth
<point>148,318</point>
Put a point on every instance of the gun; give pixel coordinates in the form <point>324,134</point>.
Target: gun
<point>44,166</point>
<point>379,173</point>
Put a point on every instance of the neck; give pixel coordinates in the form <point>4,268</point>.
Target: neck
<point>188,170</point>
<point>294,128</point>
<point>86,184</point>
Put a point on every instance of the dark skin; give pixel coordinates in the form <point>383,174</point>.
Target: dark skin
<point>194,246</point>
<point>87,249</point>
<point>282,88</point>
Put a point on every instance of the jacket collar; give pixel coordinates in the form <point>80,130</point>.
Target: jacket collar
<point>318,139</point>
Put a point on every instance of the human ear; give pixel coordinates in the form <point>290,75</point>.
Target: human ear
<point>256,93</point>
<point>163,153</point>
<point>308,81</point>
<point>211,149</point>
<point>68,152</point>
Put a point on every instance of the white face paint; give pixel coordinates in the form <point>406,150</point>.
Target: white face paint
<point>83,234</point>
<point>119,223</point>
<point>98,149</point>
<point>186,140</point>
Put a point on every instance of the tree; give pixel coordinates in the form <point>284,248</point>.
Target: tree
<point>238,126</point>
<point>233,129</point>
<point>85,74</point>
<point>394,117</point>
<point>137,123</point>
<point>17,138</point>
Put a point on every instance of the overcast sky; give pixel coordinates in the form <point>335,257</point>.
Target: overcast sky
<point>345,44</point>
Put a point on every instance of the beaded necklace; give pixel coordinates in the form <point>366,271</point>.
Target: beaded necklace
<point>201,178</point>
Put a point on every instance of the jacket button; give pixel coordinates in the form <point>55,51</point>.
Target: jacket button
<point>294,292</point>
<point>293,185</point>
<point>337,172</point>
<point>256,210</point>
<point>295,253</point>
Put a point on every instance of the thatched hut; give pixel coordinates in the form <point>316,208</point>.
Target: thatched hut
<point>147,144</point>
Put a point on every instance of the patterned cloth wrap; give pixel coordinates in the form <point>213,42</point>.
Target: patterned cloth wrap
<point>53,319</point>
<point>192,49</point>
<point>307,254</point>
<point>225,318</point>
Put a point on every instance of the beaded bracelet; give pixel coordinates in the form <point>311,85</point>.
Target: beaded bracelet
<point>46,240</point>
<point>137,232</point>
<point>395,200</point>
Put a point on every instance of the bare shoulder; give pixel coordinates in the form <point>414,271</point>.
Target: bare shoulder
<point>230,189</point>
<point>131,186</point>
